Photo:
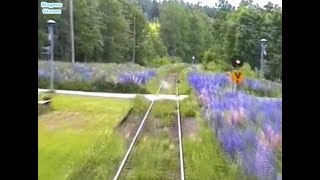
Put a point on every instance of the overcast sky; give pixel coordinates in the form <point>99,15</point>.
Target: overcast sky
<point>234,2</point>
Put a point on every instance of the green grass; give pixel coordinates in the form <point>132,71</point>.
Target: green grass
<point>189,106</point>
<point>163,113</point>
<point>140,105</point>
<point>184,87</point>
<point>153,84</point>
<point>154,158</point>
<point>78,136</point>
<point>279,162</point>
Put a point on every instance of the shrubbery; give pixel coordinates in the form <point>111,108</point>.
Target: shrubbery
<point>212,62</point>
<point>158,62</point>
<point>248,72</point>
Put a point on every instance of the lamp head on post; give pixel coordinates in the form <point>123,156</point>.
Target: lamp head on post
<point>263,42</point>
<point>51,25</point>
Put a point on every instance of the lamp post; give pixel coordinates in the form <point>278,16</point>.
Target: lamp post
<point>263,44</point>
<point>51,27</point>
<point>237,66</point>
<point>193,58</point>
<point>71,30</point>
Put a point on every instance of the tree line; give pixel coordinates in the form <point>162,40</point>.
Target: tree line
<point>145,30</point>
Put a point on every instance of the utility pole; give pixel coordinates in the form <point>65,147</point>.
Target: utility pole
<point>71,30</point>
<point>51,28</point>
<point>134,40</point>
<point>263,44</point>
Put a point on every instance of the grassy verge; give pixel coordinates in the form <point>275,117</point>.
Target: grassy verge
<point>77,139</point>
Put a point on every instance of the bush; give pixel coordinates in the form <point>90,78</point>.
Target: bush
<point>175,60</point>
<point>177,68</point>
<point>157,62</point>
<point>189,107</point>
<point>211,62</point>
<point>248,72</point>
<point>208,56</point>
<point>215,67</point>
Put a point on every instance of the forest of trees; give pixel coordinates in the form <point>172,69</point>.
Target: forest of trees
<point>104,32</point>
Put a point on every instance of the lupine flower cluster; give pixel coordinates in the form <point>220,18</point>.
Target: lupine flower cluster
<point>249,129</point>
<point>115,73</point>
<point>258,85</point>
<point>139,78</point>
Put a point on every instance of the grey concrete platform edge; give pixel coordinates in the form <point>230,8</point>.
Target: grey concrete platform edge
<point>117,95</point>
<point>130,96</point>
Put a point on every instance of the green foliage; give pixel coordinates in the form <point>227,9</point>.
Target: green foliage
<point>164,108</point>
<point>153,85</point>
<point>158,62</point>
<point>152,44</point>
<point>214,67</point>
<point>248,72</point>
<point>212,62</point>
<point>176,68</point>
<point>279,161</point>
<point>119,31</point>
<point>189,107</point>
<point>184,88</point>
<point>140,105</point>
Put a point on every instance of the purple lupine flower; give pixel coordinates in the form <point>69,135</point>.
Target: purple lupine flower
<point>242,141</point>
<point>138,78</point>
<point>231,141</point>
<point>264,162</point>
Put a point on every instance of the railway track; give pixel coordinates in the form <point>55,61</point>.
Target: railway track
<point>154,127</point>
